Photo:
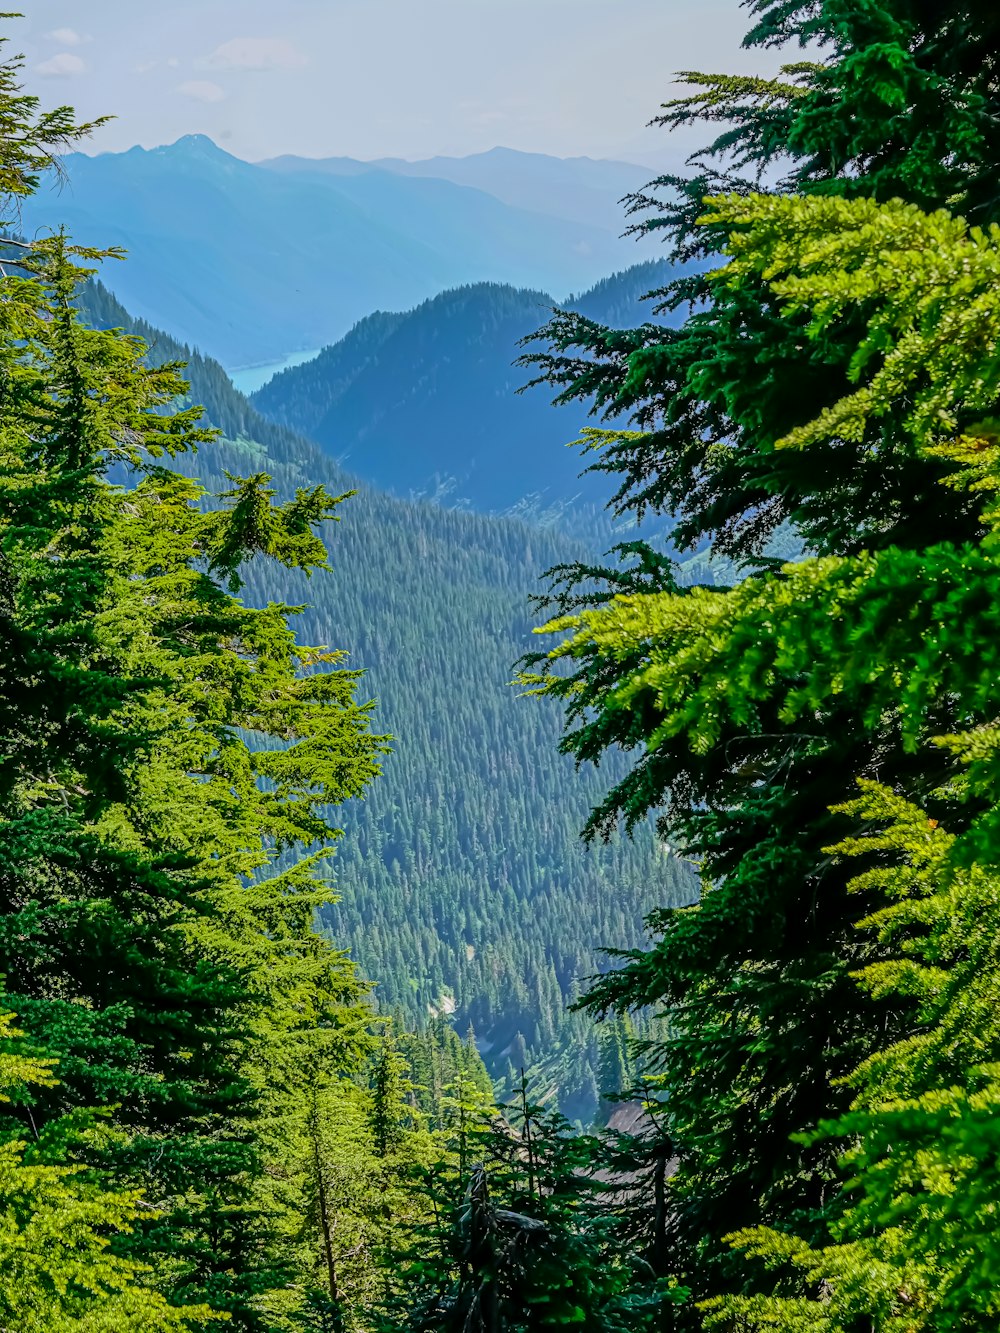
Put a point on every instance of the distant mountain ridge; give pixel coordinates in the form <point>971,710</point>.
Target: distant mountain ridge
<point>251,263</point>
<point>426,403</point>
<point>575,188</point>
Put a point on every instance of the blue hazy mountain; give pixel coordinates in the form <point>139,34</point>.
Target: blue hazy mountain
<point>576,188</point>
<point>425,403</point>
<point>250,263</point>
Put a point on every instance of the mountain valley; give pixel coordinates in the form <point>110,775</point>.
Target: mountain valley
<point>464,885</point>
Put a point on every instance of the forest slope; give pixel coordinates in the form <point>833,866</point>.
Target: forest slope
<point>426,402</point>
<point>464,882</point>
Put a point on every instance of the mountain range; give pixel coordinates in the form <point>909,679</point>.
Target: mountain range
<point>579,189</point>
<point>251,262</point>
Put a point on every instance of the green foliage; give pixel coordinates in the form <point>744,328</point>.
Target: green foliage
<point>59,1271</point>
<point>521,1240</point>
<point>822,1064</point>
<point>616,1070</point>
<point>443,1072</point>
<point>923,285</point>
<point>915,1248</point>
<point>172,758</point>
<point>835,376</point>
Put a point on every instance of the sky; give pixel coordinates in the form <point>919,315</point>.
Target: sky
<point>376,78</point>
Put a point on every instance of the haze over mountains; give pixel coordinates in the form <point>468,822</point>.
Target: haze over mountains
<point>580,189</point>
<point>253,261</point>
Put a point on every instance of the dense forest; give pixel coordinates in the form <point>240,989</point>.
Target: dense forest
<point>207,1120</point>
<point>463,885</point>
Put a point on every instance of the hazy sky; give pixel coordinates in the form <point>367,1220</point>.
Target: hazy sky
<point>370,78</point>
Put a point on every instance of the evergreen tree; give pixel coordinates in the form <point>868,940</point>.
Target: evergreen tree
<point>157,941</point>
<point>389,1087</point>
<point>59,1270</point>
<point>519,1238</point>
<point>767,1021</point>
<point>909,1241</point>
<point>615,1070</point>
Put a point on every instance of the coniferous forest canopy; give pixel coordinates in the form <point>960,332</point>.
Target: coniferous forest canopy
<point>277,830</point>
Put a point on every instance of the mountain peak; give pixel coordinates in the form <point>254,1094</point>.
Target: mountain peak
<point>199,145</point>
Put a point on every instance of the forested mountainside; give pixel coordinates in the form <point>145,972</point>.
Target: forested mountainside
<point>581,189</point>
<point>427,402</point>
<point>465,887</point>
<point>204,1122</point>
<point>250,264</point>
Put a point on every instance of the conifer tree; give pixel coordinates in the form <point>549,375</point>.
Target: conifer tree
<point>59,1270</point>
<point>154,941</point>
<point>389,1087</point>
<point>521,1239</point>
<point>767,1021</point>
<point>615,1068</point>
<point>910,1236</point>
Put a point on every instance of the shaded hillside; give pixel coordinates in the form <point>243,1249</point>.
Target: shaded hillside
<point>464,882</point>
<point>251,264</point>
<point>426,403</point>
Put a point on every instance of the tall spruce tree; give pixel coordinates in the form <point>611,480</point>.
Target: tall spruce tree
<point>168,752</point>
<point>767,1018</point>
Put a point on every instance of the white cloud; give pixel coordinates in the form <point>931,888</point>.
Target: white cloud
<point>62,66</point>
<point>67,37</point>
<point>255,53</point>
<point>202,91</point>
